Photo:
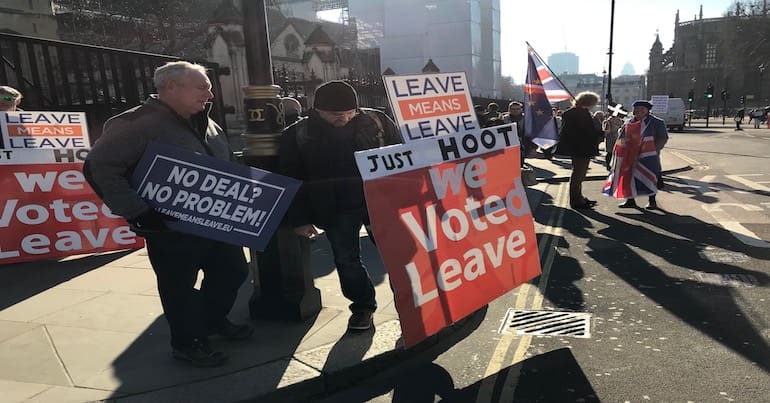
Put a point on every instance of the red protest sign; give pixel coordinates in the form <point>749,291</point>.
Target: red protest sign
<point>452,223</point>
<point>48,210</point>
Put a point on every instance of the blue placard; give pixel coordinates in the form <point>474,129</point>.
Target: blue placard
<point>213,198</point>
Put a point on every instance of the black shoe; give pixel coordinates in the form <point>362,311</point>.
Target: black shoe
<point>231,331</point>
<point>199,354</point>
<point>652,204</point>
<point>630,203</point>
<point>360,321</point>
<point>582,206</point>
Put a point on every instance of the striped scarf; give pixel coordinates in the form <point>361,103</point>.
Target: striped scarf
<point>635,165</point>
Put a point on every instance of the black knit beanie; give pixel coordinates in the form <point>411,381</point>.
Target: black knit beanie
<point>335,96</point>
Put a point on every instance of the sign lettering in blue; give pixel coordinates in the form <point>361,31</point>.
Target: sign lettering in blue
<point>213,198</point>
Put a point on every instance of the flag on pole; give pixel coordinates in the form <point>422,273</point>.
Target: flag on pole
<point>541,89</point>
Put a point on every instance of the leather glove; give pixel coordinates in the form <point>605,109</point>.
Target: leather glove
<point>151,220</point>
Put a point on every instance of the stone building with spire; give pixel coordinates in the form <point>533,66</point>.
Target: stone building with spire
<point>722,51</point>
<point>310,49</point>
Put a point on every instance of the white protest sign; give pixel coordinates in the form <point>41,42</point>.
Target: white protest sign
<point>429,105</point>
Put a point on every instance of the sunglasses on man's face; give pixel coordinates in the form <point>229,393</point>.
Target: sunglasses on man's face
<point>7,98</point>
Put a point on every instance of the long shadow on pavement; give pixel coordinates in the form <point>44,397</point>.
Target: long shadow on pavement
<point>21,281</point>
<point>256,366</point>
<point>710,309</point>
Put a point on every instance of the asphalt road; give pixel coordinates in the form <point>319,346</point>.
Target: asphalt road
<point>673,305</point>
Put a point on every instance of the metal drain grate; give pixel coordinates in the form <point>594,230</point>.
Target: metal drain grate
<point>547,323</point>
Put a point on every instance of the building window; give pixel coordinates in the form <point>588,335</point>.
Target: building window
<point>711,54</point>
<point>291,44</point>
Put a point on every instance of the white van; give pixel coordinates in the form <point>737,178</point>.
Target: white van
<point>674,116</point>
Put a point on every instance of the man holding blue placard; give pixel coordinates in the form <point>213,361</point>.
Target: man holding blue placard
<point>176,116</point>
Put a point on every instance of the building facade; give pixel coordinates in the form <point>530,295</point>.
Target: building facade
<point>564,63</point>
<point>28,17</point>
<point>726,52</point>
<point>456,35</point>
<point>625,88</point>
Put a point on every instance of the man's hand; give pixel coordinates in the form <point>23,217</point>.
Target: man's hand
<point>308,231</point>
<point>152,220</point>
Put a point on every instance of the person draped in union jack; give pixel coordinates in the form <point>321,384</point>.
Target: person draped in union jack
<point>636,167</point>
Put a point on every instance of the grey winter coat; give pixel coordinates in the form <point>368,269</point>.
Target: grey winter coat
<point>112,160</point>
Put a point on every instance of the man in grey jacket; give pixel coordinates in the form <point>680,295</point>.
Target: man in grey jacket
<point>177,116</point>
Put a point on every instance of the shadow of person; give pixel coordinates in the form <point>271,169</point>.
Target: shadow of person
<point>562,290</point>
<point>20,281</point>
<point>146,364</point>
<point>555,376</point>
<point>348,351</point>
<point>711,309</point>
<point>423,385</point>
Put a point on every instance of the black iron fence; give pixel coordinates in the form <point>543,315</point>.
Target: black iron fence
<point>65,76</point>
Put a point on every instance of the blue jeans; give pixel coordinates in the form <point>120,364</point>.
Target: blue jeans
<point>342,233</point>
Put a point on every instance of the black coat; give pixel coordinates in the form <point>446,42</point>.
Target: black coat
<point>579,136</point>
<point>321,156</point>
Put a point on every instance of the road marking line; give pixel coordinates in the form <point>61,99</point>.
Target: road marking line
<point>743,234</point>
<point>749,183</point>
<point>498,356</point>
<point>685,158</point>
<point>512,379</point>
<point>735,228</point>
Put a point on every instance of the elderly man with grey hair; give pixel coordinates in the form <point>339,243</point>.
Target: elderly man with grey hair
<point>177,116</point>
<point>9,98</point>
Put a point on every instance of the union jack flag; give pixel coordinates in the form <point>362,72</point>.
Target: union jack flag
<point>635,165</point>
<point>554,89</point>
<point>541,89</point>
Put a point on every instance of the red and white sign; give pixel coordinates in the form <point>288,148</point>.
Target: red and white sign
<point>48,210</point>
<point>47,130</point>
<point>452,223</point>
<point>429,105</point>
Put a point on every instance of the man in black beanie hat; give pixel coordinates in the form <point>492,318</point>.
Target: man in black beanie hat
<point>318,150</point>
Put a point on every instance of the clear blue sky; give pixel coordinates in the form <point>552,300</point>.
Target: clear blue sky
<point>582,27</point>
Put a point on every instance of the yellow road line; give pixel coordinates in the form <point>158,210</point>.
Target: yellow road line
<point>501,349</point>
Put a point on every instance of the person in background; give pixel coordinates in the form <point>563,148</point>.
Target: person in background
<point>10,98</point>
<point>610,128</point>
<point>598,118</point>
<point>480,112</point>
<point>493,112</point>
<point>739,115</point>
<point>319,150</point>
<point>579,140</point>
<point>178,116</point>
<point>756,117</point>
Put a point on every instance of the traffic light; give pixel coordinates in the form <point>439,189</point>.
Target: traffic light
<point>724,95</point>
<point>690,96</point>
<point>710,91</point>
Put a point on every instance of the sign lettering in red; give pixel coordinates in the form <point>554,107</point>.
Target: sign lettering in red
<point>451,219</point>
<point>48,210</point>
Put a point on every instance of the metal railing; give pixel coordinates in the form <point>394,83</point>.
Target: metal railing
<point>65,76</point>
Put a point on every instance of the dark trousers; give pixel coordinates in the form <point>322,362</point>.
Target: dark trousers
<point>176,259</point>
<point>343,236</point>
<point>579,171</point>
